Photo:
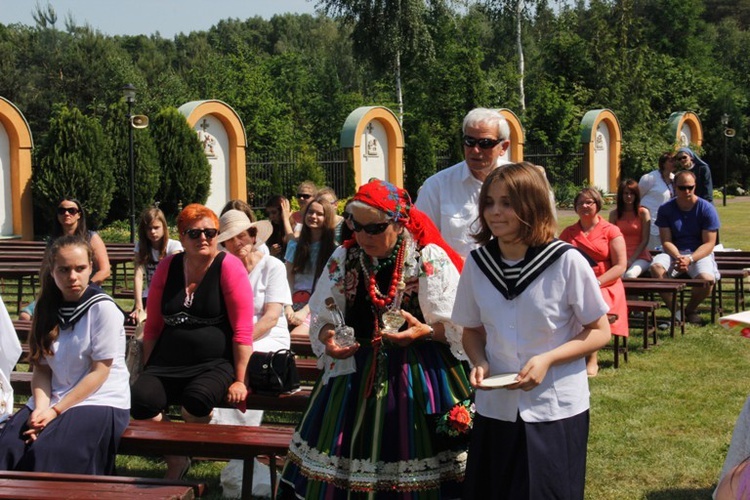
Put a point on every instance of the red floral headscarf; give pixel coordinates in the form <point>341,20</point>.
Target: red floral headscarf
<point>396,204</point>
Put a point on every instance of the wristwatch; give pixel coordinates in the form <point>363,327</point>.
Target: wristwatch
<point>432,332</point>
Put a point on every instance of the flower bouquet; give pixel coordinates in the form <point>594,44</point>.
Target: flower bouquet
<point>458,420</point>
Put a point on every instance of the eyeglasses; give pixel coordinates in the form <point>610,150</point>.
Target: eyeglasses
<point>67,210</point>
<point>586,203</point>
<point>373,229</point>
<point>208,232</point>
<point>304,196</point>
<point>485,143</point>
<point>686,188</point>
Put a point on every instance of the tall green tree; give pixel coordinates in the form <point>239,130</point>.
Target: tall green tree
<point>186,173</point>
<point>74,160</point>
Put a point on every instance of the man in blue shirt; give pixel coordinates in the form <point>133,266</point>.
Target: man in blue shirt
<point>688,226</point>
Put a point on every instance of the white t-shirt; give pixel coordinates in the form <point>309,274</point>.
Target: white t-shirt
<point>97,336</point>
<point>451,199</point>
<point>173,246</point>
<point>654,193</point>
<point>268,279</point>
<point>548,313</point>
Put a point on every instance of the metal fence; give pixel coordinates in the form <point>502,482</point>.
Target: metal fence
<point>279,173</point>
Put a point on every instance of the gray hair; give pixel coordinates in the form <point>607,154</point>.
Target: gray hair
<point>478,116</point>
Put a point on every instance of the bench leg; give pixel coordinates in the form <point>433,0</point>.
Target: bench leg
<point>617,350</point>
<point>247,477</point>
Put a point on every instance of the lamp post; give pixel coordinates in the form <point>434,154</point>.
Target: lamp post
<point>725,122</point>
<point>128,91</point>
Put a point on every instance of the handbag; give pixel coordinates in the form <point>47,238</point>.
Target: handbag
<point>273,373</point>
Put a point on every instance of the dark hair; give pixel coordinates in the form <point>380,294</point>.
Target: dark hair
<point>44,325</point>
<point>57,230</point>
<point>144,243</point>
<point>632,186</point>
<point>528,192</point>
<point>277,236</point>
<point>327,240</point>
<point>241,206</point>
<point>664,158</point>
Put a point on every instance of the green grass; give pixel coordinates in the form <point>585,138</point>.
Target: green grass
<point>660,424</point>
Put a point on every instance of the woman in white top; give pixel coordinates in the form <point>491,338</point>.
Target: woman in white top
<point>656,189</point>
<point>530,307</point>
<point>267,277</point>
<point>80,393</point>
<point>153,245</point>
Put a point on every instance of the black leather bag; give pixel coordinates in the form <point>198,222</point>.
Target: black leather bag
<point>273,373</point>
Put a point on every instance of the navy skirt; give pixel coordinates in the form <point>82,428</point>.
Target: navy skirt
<point>83,440</point>
<point>521,460</point>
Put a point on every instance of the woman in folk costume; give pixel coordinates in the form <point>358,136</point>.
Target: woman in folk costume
<point>602,242</point>
<point>371,428</point>
<point>530,309</point>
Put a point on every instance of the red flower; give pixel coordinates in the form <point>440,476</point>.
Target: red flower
<point>459,418</point>
<point>429,269</point>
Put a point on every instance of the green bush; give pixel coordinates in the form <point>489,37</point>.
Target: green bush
<point>73,160</point>
<point>186,173</point>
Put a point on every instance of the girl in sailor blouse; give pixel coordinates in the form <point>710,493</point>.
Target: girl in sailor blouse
<point>530,306</point>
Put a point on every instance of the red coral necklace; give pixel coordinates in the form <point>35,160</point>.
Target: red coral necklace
<point>371,270</point>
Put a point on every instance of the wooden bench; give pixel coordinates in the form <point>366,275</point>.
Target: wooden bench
<point>647,287</point>
<point>647,310</point>
<point>738,276</point>
<point>144,437</point>
<point>14,484</point>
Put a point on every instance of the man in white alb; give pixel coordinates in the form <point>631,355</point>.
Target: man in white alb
<point>450,197</point>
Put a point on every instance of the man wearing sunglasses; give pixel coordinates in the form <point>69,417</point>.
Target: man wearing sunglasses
<point>450,197</point>
<point>688,226</point>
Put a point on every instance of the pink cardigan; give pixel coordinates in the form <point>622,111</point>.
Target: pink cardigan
<point>238,296</point>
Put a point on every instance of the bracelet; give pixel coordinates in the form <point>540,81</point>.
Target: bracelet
<point>599,282</point>
<point>432,332</point>
<point>56,410</point>
<point>690,258</point>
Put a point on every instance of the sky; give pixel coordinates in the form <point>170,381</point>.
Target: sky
<point>146,17</point>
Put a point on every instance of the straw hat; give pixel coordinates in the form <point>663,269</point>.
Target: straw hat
<point>233,222</point>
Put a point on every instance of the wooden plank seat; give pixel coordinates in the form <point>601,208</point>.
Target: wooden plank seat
<point>62,483</point>
<point>144,437</point>
<point>32,489</point>
<point>647,310</point>
<point>648,287</point>
<point>738,276</point>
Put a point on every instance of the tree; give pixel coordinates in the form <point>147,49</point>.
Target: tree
<point>388,33</point>
<point>186,173</point>
<point>74,160</point>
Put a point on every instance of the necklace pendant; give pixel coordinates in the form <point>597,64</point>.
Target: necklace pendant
<point>188,302</point>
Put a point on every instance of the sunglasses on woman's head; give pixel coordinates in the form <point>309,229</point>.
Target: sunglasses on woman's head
<point>67,210</point>
<point>373,229</point>
<point>485,143</point>
<point>208,232</point>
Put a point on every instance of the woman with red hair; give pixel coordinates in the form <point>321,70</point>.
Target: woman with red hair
<point>199,330</point>
<point>374,418</point>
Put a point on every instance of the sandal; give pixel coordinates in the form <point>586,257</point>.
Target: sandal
<point>182,471</point>
<point>694,318</point>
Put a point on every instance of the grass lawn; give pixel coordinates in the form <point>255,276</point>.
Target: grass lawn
<point>660,424</point>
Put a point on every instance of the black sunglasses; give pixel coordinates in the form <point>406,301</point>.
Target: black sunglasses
<point>373,229</point>
<point>208,232</point>
<point>67,210</point>
<point>682,158</point>
<point>485,143</point>
<point>303,196</point>
<point>686,188</point>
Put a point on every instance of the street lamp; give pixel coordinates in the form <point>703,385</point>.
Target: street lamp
<point>128,91</point>
<point>725,122</point>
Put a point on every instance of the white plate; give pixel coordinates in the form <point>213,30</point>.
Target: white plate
<point>499,380</point>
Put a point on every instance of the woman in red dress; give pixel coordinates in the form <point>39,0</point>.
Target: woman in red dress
<point>602,242</point>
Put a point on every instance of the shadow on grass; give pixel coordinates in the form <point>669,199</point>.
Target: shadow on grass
<point>680,494</point>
